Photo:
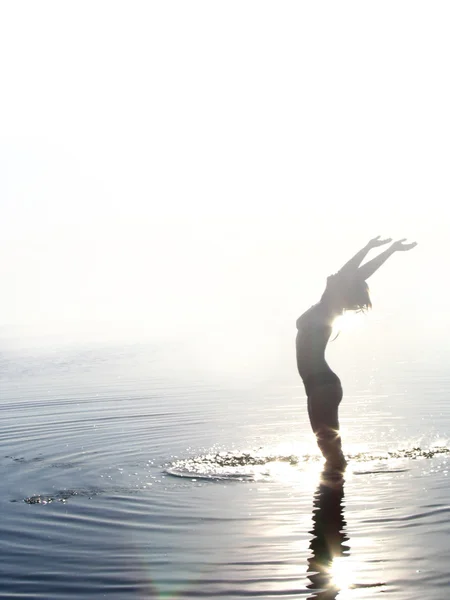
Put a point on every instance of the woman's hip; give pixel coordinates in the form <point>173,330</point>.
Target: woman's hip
<point>326,394</point>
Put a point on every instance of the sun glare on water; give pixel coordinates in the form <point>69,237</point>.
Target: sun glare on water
<point>342,573</point>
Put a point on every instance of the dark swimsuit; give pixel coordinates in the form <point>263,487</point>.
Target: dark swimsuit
<point>315,379</point>
<point>314,331</point>
<point>312,338</point>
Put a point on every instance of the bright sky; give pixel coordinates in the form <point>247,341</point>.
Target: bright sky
<point>200,167</point>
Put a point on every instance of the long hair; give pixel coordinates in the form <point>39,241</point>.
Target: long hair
<point>347,293</point>
<point>359,296</point>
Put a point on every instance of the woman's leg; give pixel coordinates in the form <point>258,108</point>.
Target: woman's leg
<point>323,404</point>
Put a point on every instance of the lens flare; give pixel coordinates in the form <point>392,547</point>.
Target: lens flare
<point>342,573</point>
<point>347,321</point>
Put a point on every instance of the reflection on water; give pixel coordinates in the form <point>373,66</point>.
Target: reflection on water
<point>329,537</point>
<point>90,444</point>
<point>330,569</point>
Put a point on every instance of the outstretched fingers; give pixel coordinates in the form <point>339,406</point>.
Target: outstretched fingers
<point>402,247</point>
<point>377,241</point>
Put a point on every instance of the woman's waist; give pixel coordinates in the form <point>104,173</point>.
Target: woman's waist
<point>310,363</point>
<point>319,377</point>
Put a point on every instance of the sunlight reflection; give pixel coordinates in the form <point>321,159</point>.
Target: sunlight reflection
<point>306,475</point>
<point>298,463</point>
<point>352,449</point>
<point>342,573</point>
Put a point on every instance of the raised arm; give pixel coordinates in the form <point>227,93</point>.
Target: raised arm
<point>370,267</point>
<point>351,267</point>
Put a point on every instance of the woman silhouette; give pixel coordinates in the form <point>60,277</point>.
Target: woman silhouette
<point>346,290</point>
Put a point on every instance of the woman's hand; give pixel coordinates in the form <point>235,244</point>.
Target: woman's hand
<point>377,242</point>
<point>400,246</point>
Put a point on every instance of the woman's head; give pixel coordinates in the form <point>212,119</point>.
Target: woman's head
<point>344,293</point>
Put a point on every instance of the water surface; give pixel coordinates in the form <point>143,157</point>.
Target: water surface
<point>122,477</point>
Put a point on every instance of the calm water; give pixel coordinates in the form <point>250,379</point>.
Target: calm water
<point>125,477</point>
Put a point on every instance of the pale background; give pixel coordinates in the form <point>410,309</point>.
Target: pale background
<point>174,169</point>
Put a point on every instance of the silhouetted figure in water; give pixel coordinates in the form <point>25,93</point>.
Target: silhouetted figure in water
<point>329,536</point>
<point>346,290</point>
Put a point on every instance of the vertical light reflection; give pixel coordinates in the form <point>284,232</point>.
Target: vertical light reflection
<point>328,542</point>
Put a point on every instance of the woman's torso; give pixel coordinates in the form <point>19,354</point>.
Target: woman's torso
<point>314,330</point>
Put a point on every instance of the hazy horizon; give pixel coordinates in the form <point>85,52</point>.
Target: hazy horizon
<point>199,169</point>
